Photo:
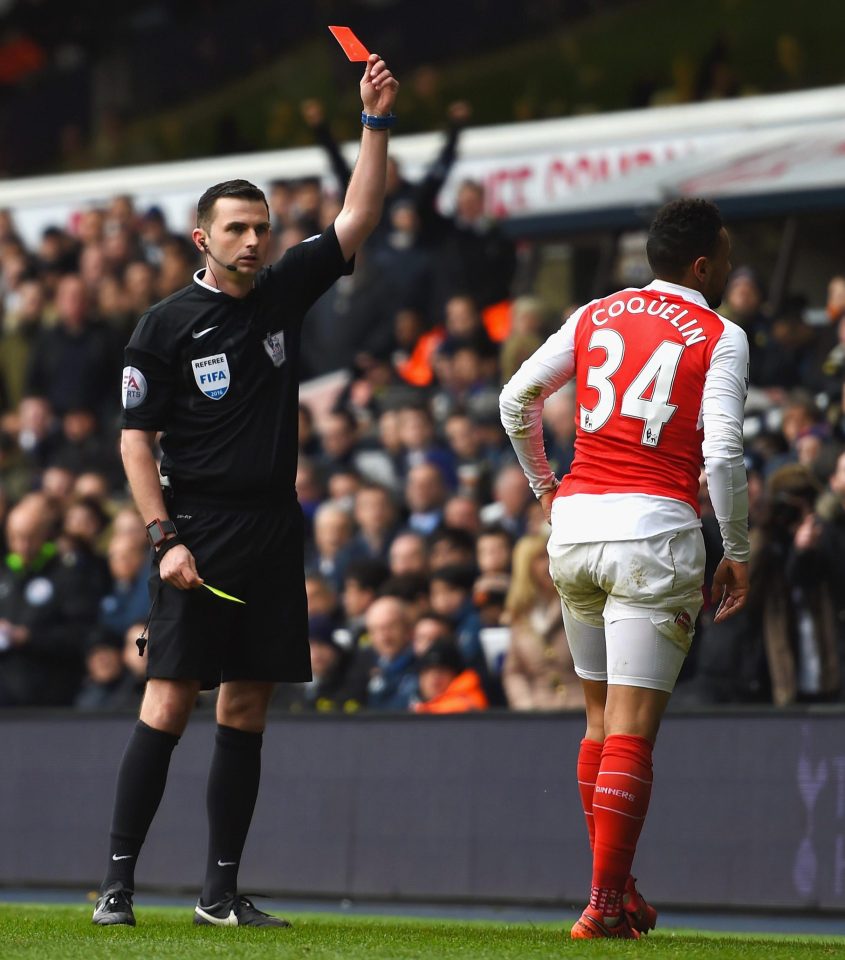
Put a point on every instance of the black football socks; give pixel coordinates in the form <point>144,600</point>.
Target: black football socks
<point>140,785</point>
<point>232,788</point>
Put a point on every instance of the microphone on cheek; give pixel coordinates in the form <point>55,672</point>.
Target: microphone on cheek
<point>231,267</point>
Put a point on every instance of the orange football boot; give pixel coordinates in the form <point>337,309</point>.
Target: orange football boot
<point>641,915</point>
<point>591,926</point>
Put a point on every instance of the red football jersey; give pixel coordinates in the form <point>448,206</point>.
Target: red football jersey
<point>641,357</point>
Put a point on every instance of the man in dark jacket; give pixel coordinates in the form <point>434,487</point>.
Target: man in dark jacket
<point>44,614</point>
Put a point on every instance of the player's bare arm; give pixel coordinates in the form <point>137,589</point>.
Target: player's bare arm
<point>136,449</point>
<point>365,194</point>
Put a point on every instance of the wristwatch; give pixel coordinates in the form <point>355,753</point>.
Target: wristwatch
<point>158,530</point>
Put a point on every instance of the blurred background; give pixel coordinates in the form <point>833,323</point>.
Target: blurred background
<point>141,81</point>
<point>535,142</point>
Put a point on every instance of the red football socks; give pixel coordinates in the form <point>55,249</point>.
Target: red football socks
<point>620,804</point>
<point>589,760</point>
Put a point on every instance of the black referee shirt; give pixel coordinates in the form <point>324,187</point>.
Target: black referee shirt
<point>219,376</point>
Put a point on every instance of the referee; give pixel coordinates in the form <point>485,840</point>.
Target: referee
<point>214,368</point>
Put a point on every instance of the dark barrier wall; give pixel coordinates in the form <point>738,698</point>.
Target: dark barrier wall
<point>748,810</point>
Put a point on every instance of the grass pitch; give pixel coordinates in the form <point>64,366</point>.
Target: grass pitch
<point>66,933</point>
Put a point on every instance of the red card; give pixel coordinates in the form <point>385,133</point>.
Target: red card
<point>352,46</point>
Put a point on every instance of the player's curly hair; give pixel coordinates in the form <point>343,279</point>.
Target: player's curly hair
<point>242,189</point>
<point>681,232</point>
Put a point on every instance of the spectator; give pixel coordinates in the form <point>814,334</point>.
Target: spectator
<point>139,278</point>
<point>116,676</point>
<point>425,495</point>
<point>393,678</point>
<point>405,262</point>
<point>792,573</point>
<point>419,443</point>
<point>445,685</point>
<point>322,601</point>
<point>105,673</point>
<point>309,442</point>
<point>412,589</point>
<point>338,438</point>
<point>128,522</point>
<point>343,485</point>
<point>472,467</point>
<point>83,525</point>
<point>337,684</point>
<point>525,335</point>
<point>450,547</point>
<point>175,268</point>
<point>428,630</point>
<point>451,597</point>
<point>375,515</point>
<point>361,584</point>
<point>37,432</point>
<point>511,495</point>
<point>559,424</point>
<point>22,328</point>
<point>128,601</point>
<point>461,512</point>
<point>744,305</point>
<point>408,555</point>
<point>493,550</point>
<point>84,446</point>
<point>76,364</point>
<point>538,673</point>
<point>45,613</point>
<point>467,369</point>
<point>332,540</point>
<point>309,492</point>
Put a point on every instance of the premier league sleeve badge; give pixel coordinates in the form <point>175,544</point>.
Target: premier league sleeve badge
<point>274,346</point>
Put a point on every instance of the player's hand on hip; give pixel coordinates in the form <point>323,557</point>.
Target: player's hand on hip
<point>378,87</point>
<point>730,588</point>
<point>179,569</point>
<point>546,499</point>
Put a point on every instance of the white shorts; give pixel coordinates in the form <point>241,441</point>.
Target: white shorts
<point>629,606</point>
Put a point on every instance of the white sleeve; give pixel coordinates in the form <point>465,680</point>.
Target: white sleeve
<point>722,414</point>
<point>522,399</point>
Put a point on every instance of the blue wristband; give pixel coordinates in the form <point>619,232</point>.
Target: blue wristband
<point>377,123</point>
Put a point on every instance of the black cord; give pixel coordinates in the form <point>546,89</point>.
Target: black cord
<point>141,641</point>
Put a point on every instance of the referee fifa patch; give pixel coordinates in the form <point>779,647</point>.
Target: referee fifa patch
<point>212,375</point>
<point>134,387</point>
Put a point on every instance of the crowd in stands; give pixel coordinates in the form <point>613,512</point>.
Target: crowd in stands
<point>426,572</point>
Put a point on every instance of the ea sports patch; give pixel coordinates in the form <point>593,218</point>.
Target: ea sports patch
<point>212,375</point>
<point>134,387</point>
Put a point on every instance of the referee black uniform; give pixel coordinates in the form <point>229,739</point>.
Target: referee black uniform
<point>218,376</point>
<point>214,370</point>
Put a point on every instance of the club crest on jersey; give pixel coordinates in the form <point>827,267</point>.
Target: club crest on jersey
<point>274,345</point>
<point>212,375</point>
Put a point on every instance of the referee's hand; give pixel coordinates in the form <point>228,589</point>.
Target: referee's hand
<point>179,569</point>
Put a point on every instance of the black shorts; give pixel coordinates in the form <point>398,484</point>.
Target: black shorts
<point>256,555</point>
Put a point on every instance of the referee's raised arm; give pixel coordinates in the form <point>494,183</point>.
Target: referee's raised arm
<point>365,195</point>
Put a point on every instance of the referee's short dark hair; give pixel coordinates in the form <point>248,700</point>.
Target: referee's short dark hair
<point>681,232</point>
<point>242,189</point>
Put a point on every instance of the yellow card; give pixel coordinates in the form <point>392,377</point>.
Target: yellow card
<point>220,593</point>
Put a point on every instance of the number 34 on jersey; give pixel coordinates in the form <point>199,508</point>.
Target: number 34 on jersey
<point>646,397</point>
